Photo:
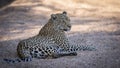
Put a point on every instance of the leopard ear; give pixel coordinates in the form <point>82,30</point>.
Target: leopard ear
<point>64,12</point>
<point>53,16</point>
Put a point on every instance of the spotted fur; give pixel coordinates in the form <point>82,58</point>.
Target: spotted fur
<point>51,40</point>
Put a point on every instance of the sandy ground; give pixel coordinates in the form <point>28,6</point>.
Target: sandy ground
<point>93,23</point>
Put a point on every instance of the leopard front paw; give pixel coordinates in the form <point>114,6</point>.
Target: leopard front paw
<point>27,59</point>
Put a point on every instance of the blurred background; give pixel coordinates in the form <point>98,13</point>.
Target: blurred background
<point>74,7</point>
<point>94,23</point>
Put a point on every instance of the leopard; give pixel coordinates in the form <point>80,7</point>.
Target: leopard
<point>51,41</point>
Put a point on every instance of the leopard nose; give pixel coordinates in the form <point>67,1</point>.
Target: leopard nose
<point>69,26</point>
<point>65,29</point>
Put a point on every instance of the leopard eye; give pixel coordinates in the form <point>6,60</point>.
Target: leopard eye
<point>54,18</point>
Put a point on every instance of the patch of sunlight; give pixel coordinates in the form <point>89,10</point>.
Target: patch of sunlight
<point>14,31</point>
<point>24,4</point>
<point>60,3</point>
<point>79,28</point>
<point>25,34</point>
<point>39,9</point>
<point>106,28</point>
<point>93,27</point>
<point>83,5</point>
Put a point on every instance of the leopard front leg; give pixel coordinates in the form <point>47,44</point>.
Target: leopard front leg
<point>64,53</point>
<point>59,52</point>
<point>24,52</point>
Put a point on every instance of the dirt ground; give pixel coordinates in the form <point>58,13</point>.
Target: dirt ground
<point>94,23</point>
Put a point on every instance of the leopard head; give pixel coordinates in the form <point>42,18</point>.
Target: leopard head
<point>61,21</point>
